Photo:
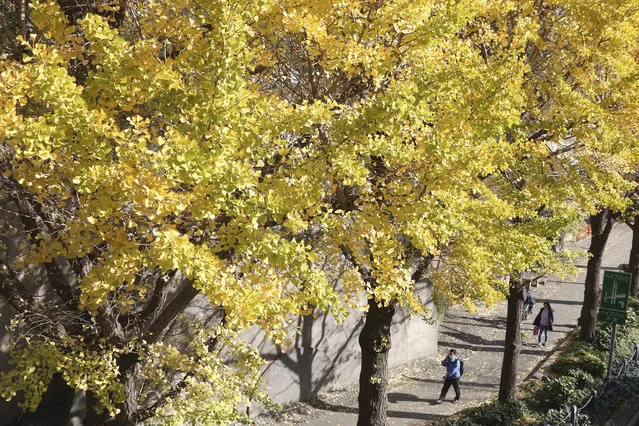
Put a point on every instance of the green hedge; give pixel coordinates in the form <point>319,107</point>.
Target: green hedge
<point>580,356</point>
<point>492,414</point>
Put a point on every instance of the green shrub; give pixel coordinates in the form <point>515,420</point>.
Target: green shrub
<point>499,414</point>
<point>580,356</point>
<point>493,413</point>
<point>562,417</point>
<point>529,388</point>
<point>571,388</point>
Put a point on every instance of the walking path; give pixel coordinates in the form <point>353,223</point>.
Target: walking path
<point>479,340</point>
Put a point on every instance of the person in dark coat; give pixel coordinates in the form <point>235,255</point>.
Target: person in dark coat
<point>528,304</point>
<point>543,321</point>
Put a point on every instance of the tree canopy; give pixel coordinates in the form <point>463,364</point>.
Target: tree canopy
<point>257,152</point>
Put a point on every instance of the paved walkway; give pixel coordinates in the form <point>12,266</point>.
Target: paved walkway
<point>479,340</point>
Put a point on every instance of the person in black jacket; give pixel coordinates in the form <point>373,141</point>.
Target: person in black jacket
<point>543,321</point>
<point>528,305</point>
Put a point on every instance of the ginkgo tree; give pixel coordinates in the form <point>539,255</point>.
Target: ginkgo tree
<point>404,156</point>
<point>420,136</point>
<point>156,151</point>
<point>583,84</point>
<point>577,142</point>
<point>132,155</point>
<point>456,132</point>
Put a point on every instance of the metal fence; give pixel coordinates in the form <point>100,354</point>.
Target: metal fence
<point>574,410</point>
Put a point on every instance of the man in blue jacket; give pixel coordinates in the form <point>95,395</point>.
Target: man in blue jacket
<point>452,364</point>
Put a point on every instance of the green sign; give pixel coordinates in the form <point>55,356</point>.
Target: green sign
<point>614,297</point>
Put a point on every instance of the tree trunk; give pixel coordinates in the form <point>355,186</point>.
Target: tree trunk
<point>128,408</point>
<point>512,344</point>
<point>375,343</point>
<point>127,364</point>
<point>600,225</point>
<point>306,356</point>
<point>633,262</point>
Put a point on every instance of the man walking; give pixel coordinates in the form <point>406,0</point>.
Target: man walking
<point>453,372</point>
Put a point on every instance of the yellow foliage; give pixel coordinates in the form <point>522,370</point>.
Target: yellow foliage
<point>289,155</point>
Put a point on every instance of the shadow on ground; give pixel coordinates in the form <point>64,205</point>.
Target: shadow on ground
<point>461,383</point>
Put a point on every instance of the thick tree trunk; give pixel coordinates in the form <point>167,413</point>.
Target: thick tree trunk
<point>306,356</point>
<point>512,344</point>
<point>127,364</point>
<point>600,225</point>
<point>633,262</point>
<point>375,343</point>
<point>128,409</point>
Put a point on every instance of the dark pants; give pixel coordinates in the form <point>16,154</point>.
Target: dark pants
<point>447,382</point>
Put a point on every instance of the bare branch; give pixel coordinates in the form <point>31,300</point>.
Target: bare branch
<point>21,9</point>
<point>13,291</point>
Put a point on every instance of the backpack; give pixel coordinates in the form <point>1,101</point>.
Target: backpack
<point>461,368</point>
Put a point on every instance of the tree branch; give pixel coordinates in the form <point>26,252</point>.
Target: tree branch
<point>422,267</point>
<point>157,299</point>
<point>149,411</point>
<point>170,312</point>
<point>21,9</point>
<point>59,283</point>
<point>363,270</point>
<point>13,291</point>
<point>9,37</point>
